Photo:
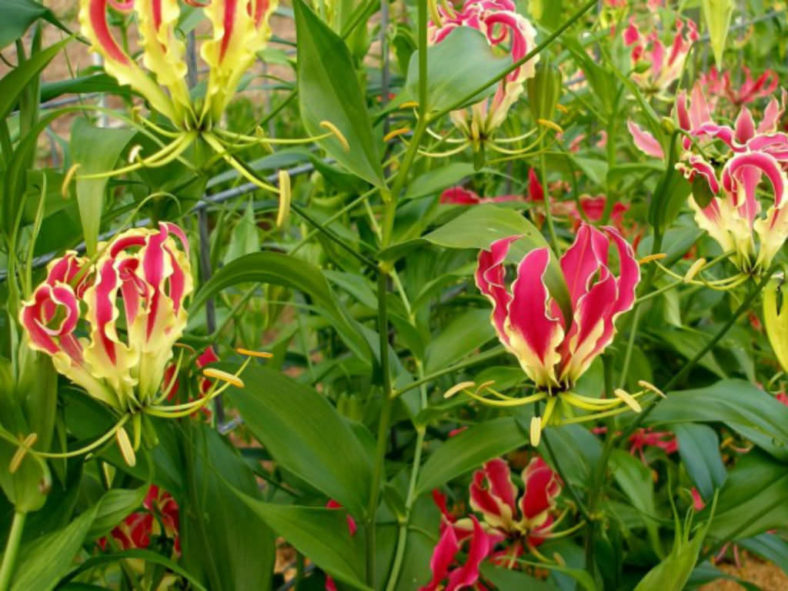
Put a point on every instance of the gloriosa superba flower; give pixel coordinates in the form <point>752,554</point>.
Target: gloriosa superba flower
<point>555,350</point>
<point>110,325</point>
<point>240,30</point>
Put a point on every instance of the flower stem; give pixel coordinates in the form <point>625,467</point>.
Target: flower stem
<point>12,549</point>
<point>383,425</point>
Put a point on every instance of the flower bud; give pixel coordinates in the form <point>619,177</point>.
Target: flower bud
<point>775,316</point>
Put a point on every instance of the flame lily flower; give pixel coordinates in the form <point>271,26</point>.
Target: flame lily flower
<point>149,273</point>
<point>240,30</point>
<point>160,517</point>
<point>732,216</point>
<point>553,350</point>
<point>664,65</point>
<point>461,196</point>
<point>528,520</point>
<point>500,23</point>
<point>748,91</point>
<point>446,555</point>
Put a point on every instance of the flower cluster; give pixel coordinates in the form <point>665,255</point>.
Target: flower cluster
<point>657,66</point>
<point>500,23</point>
<point>131,303</point>
<point>519,524</point>
<point>726,164</point>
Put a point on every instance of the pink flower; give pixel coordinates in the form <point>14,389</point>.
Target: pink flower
<point>503,27</point>
<point>160,517</point>
<point>448,572</point>
<point>461,196</point>
<point>697,500</point>
<point>782,397</point>
<point>554,350</point>
<point>142,276</point>
<point>747,92</point>
<point>663,66</point>
<point>647,437</point>
<point>528,519</point>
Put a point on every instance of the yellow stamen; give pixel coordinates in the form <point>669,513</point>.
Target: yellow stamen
<point>250,353</point>
<point>394,133</point>
<point>536,431</point>
<point>284,199</point>
<point>562,108</point>
<point>651,387</point>
<point>628,399</point>
<point>339,135</point>
<point>559,560</point>
<point>694,270</point>
<point>550,125</point>
<point>126,449</point>
<point>457,388</point>
<point>67,180</point>
<point>652,257</point>
<point>409,105</point>
<point>218,374</point>
<point>21,452</point>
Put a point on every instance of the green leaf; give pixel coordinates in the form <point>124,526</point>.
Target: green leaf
<point>634,478</point>
<point>438,179</point>
<point>320,534</point>
<point>328,90</point>
<point>754,499</point>
<point>770,547</point>
<point>699,448</point>
<point>147,556</point>
<point>246,237</point>
<point>717,16</point>
<point>469,450</point>
<point>306,435</point>
<point>465,333</point>
<point>115,505</point>
<point>45,560</point>
<point>18,15</point>
<point>96,150</point>
<point>740,405</point>
<point>222,541</point>
<point>280,269</point>
<point>456,67</point>
<point>14,83</point>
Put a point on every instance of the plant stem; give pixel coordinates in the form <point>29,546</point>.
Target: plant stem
<point>12,549</point>
<point>383,425</point>
<point>561,473</point>
<point>402,534</point>
<point>546,192</point>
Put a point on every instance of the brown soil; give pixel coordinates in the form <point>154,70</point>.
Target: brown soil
<point>765,575</point>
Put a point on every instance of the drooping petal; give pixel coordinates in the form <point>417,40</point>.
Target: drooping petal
<point>94,26</point>
<point>644,141</point>
<point>442,557</point>
<point>490,279</point>
<point>493,494</point>
<point>480,547</point>
<point>542,486</point>
<point>240,30</point>
<point>459,196</point>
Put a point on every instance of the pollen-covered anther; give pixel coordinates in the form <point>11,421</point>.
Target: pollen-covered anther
<point>19,455</point>
<point>218,374</point>
<point>536,431</point>
<point>657,256</point>
<point>285,195</point>
<point>250,353</point>
<point>126,449</point>
<point>395,133</point>
<point>409,105</point>
<point>694,270</point>
<point>651,388</point>
<point>628,399</point>
<point>67,180</point>
<point>328,126</point>
<point>458,388</point>
<point>550,125</point>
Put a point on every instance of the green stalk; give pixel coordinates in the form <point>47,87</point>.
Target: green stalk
<point>402,533</point>
<point>11,549</point>
<point>383,425</point>
<point>546,191</point>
